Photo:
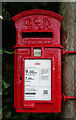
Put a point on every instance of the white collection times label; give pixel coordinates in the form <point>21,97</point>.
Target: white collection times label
<point>37,79</point>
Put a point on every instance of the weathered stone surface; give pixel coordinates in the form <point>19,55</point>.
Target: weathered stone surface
<point>75,60</point>
<point>67,11</point>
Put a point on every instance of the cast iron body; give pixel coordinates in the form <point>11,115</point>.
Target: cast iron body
<point>37,21</point>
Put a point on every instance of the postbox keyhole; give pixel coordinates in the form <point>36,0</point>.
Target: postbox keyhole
<point>20,78</point>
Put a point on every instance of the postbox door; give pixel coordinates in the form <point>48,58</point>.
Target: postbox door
<point>41,82</point>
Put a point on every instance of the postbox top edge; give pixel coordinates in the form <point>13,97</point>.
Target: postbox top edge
<point>26,46</point>
<point>37,11</point>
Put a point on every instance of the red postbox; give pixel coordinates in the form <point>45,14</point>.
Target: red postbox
<point>37,62</point>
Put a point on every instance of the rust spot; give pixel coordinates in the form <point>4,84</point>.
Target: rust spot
<point>65,45</point>
<point>67,89</point>
<point>64,34</point>
<point>68,103</point>
<point>64,37</point>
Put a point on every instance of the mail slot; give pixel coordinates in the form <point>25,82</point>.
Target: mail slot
<point>37,62</point>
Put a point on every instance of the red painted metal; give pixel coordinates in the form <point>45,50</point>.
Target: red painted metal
<point>68,52</point>
<point>67,97</point>
<point>37,12</point>
<point>29,22</point>
<point>55,104</point>
<point>38,21</point>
